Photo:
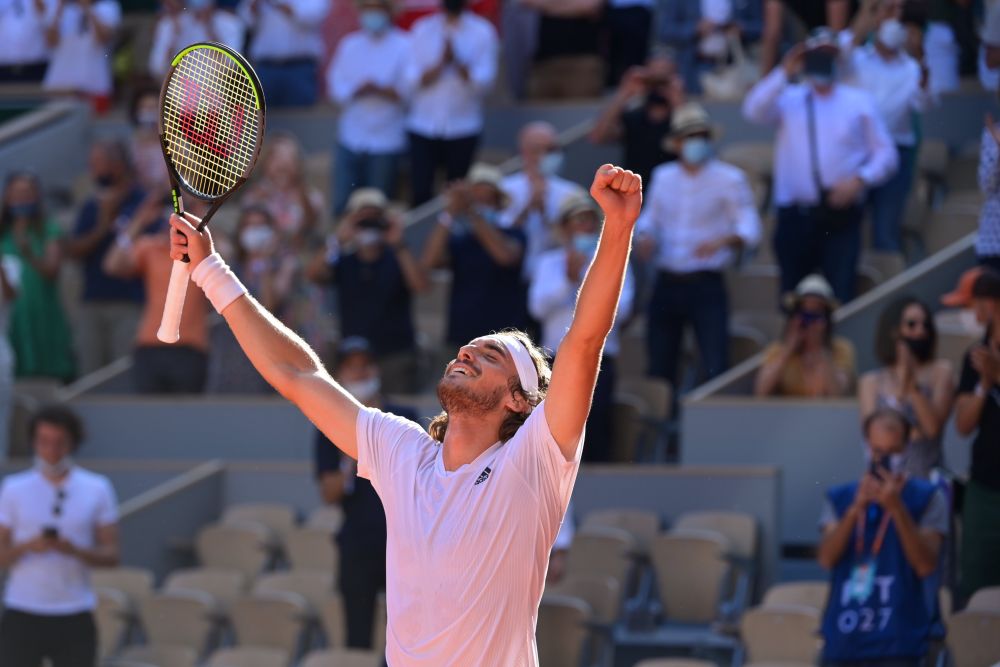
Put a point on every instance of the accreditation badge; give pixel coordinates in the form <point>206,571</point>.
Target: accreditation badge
<point>862,581</point>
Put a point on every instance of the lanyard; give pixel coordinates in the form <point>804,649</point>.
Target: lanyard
<point>859,535</point>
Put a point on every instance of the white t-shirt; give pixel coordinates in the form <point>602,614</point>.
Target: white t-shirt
<point>80,63</point>
<point>468,549</point>
<point>171,35</point>
<point>22,33</point>
<point>53,583</point>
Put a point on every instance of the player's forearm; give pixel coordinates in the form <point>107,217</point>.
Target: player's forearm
<point>918,553</point>
<point>834,544</point>
<point>11,553</point>
<point>598,300</point>
<point>100,556</point>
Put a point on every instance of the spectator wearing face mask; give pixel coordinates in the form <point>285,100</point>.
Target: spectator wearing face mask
<point>362,538</point>
<point>810,362</point>
<point>881,541</point>
<point>376,276</point>
<point>365,79</point>
<point>638,116</point>
<point>147,155</point>
<point>31,244</point>
<point>270,276</point>
<point>186,22</point>
<point>24,54</point>
<point>898,85</point>
<point>286,47</point>
<point>451,67</point>
<point>484,256</point>
<point>911,381</point>
<point>699,215</point>
<point>537,191</point>
<point>552,300</point>
<point>832,147</point>
<point>80,35</point>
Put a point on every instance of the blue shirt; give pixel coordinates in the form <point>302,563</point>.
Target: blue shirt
<point>97,285</point>
<point>374,302</point>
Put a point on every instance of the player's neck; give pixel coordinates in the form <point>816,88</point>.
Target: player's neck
<point>467,437</point>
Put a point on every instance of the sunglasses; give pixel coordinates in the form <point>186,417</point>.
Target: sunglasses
<point>913,324</point>
<point>58,506</point>
<point>810,317</point>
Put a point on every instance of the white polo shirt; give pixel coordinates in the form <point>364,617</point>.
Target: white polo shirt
<point>80,62</point>
<point>171,35</point>
<point>467,550</point>
<point>281,36</point>
<point>22,33</point>
<point>54,583</point>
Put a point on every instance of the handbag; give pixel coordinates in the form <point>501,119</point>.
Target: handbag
<point>827,214</point>
<point>730,82</point>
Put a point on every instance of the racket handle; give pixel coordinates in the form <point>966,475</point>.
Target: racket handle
<point>170,325</point>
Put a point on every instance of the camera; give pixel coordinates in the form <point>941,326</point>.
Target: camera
<point>50,533</point>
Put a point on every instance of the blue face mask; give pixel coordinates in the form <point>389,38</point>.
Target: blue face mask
<point>696,150</point>
<point>551,163</point>
<point>373,21</point>
<point>490,215</point>
<point>585,244</point>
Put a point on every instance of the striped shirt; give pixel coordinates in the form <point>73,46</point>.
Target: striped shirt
<point>988,243</point>
<point>468,548</point>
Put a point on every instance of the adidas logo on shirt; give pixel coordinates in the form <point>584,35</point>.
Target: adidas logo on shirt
<point>483,476</point>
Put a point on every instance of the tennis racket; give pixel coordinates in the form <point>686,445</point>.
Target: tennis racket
<point>211,130</point>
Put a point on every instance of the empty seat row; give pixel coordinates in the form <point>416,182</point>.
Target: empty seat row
<point>242,656</point>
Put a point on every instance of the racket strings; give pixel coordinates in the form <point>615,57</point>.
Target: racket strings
<point>211,121</point>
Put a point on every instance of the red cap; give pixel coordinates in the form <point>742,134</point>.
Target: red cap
<point>961,296</point>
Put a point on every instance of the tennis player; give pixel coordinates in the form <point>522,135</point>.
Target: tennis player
<point>474,507</point>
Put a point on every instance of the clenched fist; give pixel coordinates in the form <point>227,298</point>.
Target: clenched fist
<point>619,194</point>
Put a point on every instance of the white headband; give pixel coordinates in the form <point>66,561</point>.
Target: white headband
<point>526,371</point>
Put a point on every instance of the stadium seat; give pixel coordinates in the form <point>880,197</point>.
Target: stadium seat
<point>781,634</point>
<point>754,289</point>
<point>245,547</point>
<point>223,586</point>
<point>985,599</point>
<point>275,620</point>
<point>642,525</point>
<point>745,342</point>
<point>326,517</point>
<point>311,549</point>
<point>112,619</point>
<point>626,419</point>
<point>248,656</point>
<point>562,630</point>
<point>180,618</point>
<point>162,656</point>
<point>674,662</point>
<point>135,582</point>
<point>278,517</point>
<point>741,535</point>
<point>331,616</point>
<point>946,226</point>
<point>810,594</point>
<point>953,346</point>
<point>974,639</point>
<point>602,594</point>
<point>654,393</point>
<point>885,265</point>
<point>314,586</point>
<point>932,161</point>
<point>690,569</point>
<point>339,657</point>
<point>754,157</point>
<point>602,550</point>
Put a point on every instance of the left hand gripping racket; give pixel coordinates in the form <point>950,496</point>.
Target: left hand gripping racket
<point>211,131</point>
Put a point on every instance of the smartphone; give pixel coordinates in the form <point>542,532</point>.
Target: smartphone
<point>50,533</point>
<point>879,468</point>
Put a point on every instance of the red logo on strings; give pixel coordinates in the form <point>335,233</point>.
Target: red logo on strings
<point>208,135</point>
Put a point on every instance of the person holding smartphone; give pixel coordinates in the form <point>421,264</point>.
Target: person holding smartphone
<point>881,540</point>
<point>57,521</point>
<point>911,380</point>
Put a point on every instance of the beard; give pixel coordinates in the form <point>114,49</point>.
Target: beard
<point>462,400</point>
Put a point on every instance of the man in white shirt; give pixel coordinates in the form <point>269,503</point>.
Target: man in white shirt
<point>898,85</point>
<point>537,191</point>
<point>831,147</point>
<point>472,509</point>
<point>452,65</point>
<point>286,47</point>
<point>700,214</point>
<point>57,521</point>
<point>552,297</point>
<point>24,54</point>
<point>365,79</point>
<point>185,23</point>
<point>80,35</point>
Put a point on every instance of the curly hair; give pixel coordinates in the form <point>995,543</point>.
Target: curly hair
<point>513,421</point>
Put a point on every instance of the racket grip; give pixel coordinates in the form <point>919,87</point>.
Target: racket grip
<point>170,325</point>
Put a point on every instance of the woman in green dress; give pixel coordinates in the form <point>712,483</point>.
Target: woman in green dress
<point>39,332</point>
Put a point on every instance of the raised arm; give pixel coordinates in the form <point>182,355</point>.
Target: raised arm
<point>619,193</point>
<point>278,354</point>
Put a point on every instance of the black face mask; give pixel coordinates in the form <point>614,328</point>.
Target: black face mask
<point>655,99</point>
<point>819,63</point>
<point>105,180</point>
<point>453,6</point>
<point>920,347</point>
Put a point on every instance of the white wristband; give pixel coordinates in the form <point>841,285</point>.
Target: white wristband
<point>218,282</point>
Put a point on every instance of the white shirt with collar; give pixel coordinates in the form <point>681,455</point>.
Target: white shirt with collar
<point>684,210</point>
<point>22,33</point>
<point>172,34</point>
<point>539,227</point>
<point>894,85</point>
<point>552,300</point>
<point>53,583</point>
<point>450,107</point>
<point>280,36</point>
<point>852,139</point>
<point>370,124</point>
<point>80,62</point>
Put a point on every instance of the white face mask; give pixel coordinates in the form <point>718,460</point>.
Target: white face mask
<point>368,237</point>
<point>57,469</point>
<point>256,238</point>
<point>364,390</point>
<point>892,34</point>
<point>551,163</point>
